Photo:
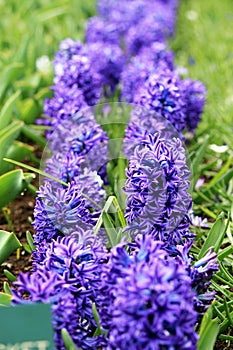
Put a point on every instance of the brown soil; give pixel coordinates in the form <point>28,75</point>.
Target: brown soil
<point>20,213</point>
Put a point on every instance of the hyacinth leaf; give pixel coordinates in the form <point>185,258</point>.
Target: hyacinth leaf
<point>208,316</point>
<point>112,206</point>
<point>30,241</point>
<point>215,236</point>
<point>226,273</point>
<point>110,229</point>
<point>225,253</point>
<point>40,172</point>
<point>220,173</point>
<point>43,93</point>
<point>68,342</point>
<point>17,151</point>
<point>6,288</point>
<point>222,180</point>
<point>27,248</point>
<point>208,335</point>
<point>30,132</point>
<point>9,275</point>
<point>9,74</point>
<point>5,299</point>
<point>229,316</point>
<point>29,110</point>
<point>8,243</point>
<point>47,14</point>
<point>119,212</point>
<point>98,330</point>
<point>12,184</point>
<point>6,112</point>
<point>7,136</point>
<point>199,154</point>
<point>106,207</point>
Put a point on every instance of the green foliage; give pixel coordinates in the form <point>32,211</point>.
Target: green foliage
<point>12,184</point>
<point>68,342</point>
<point>8,243</point>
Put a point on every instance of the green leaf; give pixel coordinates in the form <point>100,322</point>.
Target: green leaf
<point>225,252</point>
<point>221,173</point>
<point>106,207</point>
<point>7,136</point>
<point>8,75</point>
<point>37,171</point>
<point>48,14</point>
<point>8,243</point>
<point>5,299</point>
<point>230,318</point>
<point>43,93</point>
<point>208,336</point>
<point>29,110</point>
<point>9,275</point>
<point>30,241</point>
<point>68,342</point>
<point>110,229</point>
<point>111,205</point>
<point>31,132</point>
<point>12,184</point>
<point>17,151</point>
<point>208,331</point>
<point>215,236</point>
<point>222,180</point>
<point>6,288</point>
<point>119,212</point>
<point>6,112</point>
<point>199,154</point>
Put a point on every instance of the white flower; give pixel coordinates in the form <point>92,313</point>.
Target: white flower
<point>218,149</point>
<point>192,15</point>
<point>44,65</point>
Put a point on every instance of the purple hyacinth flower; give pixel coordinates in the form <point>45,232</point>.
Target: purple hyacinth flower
<point>84,137</point>
<point>162,93</point>
<point>123,14</point>
<point>149,60</point>
<point>65,167</point>
<point>143,35</point>
<point>108,60</point>
<point>73,67</point>
<point>201,273</point>
<point>143,122</point>
<point>66,102</point>
<point>78,262</point>
<point>148,299</point>
<point>60,211</point>
<point>157,190</point>
<point>70,168</point>
<point>97,30</point>
<point>49,287</point>
<point>194,93</point>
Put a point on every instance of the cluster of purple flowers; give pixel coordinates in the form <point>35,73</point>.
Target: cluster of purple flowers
<point>146,290</point>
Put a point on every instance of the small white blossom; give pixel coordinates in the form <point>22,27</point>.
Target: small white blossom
<point>218,149</point>
<point>192,15</point>
<point>44,65</point>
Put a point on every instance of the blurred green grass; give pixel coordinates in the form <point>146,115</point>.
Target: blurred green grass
<point>30,29</point>
<point>205,35</point>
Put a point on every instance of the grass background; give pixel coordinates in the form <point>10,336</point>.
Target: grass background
<point>203,45</point>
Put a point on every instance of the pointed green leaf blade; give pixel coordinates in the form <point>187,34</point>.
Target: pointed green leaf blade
<point>8,243</point>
